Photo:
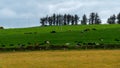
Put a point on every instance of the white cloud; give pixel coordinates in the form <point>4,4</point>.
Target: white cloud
<point>65,7</point>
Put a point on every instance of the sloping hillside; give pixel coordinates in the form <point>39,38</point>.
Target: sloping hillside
<point>61,35</point>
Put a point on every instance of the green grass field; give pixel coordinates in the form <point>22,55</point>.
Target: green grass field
<point>63,35</point>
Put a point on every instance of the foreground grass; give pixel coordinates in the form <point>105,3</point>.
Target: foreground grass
<point>61,59</point>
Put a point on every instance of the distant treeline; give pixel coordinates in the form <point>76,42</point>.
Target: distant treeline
<point>68,19</point>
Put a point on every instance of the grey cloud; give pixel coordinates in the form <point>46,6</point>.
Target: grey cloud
<point>14,11</point>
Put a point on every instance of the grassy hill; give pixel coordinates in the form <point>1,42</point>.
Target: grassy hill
<point>102,34</point>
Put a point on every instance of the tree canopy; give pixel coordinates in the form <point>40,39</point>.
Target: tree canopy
<point>68,19</point>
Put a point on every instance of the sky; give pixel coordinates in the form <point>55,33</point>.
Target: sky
<point>27,13</point>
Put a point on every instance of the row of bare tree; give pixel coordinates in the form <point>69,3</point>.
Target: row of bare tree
<point>68,19</point>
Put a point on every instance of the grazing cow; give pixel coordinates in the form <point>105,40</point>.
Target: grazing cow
<point>47,42</point>
<point>117,40</point>
<point>94,29</point>
<point>101,39</point>
<point>11,44</point>
<point>91,43</point>
<point>3,45</point>
<point>29,43</point>
<point>53,32</point>
<point>87,30</point>
<point>67,44</point>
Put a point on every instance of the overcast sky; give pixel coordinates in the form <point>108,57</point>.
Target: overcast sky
<point>26,13</point>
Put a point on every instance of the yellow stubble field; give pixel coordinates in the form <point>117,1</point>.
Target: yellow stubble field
<point>61,59</point>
